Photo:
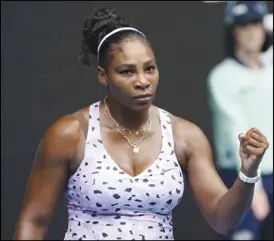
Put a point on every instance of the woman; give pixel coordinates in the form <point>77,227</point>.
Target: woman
<point>120,159</point>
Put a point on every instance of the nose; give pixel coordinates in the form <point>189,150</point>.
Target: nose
<point>142,82</point>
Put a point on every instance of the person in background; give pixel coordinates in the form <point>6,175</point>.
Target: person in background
<point>240,91</point>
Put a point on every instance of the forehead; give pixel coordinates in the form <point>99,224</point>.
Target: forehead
<point>257,25</point>
<point>132,51</point>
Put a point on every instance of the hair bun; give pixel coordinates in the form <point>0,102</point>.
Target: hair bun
<point>96,27</point>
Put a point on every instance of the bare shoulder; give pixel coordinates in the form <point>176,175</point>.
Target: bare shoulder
<point>63,136</point>
<point>185,128</point>
<point>189,138</point>
<point>84,112</point>
<point>65,128</point>
<point>68,126</point>
<point>187,131</point>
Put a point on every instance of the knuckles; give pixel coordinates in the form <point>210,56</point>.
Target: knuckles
<point>253,135</point>
<point>266,145</point>
<point>254,143</point>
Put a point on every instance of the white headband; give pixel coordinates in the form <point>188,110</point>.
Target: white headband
<point>116,31</point>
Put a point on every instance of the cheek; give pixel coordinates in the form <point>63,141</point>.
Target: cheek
<point>258,34</point>
<point>243,37</point>
<point>262,35</point>
<point>119,86</point>
<point>254,34</point>
<point>155,78</point>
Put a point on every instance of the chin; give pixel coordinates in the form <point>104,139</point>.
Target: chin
<point>139,107</point>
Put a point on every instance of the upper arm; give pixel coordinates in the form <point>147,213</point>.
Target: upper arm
<point>50,171</point>
<point>204,181</point>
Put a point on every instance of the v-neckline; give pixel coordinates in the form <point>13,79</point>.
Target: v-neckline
<point>114,163</point>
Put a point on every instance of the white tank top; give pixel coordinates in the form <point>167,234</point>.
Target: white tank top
<point>105,203</point>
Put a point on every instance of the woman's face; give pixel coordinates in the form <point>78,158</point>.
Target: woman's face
<point>250,37</point>
<point>132,75</point>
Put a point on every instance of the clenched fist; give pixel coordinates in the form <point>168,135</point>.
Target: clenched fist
<point>253,145</point>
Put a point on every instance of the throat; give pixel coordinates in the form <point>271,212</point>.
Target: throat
<point>126,119</point>
<point>251,60</point>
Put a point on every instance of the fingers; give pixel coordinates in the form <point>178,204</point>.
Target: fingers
<point>249,141</point>
<point>254,150</point>
<point>253,141</point>
<point>255,133</point>
<point>252,147</point>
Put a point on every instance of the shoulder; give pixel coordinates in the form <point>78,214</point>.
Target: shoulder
<point>221,70</point>
<point>188,138</point>
<point>186,130</point>
<point>182,128</point>
<point>65,133</point>
<point>225,64</point>
<point>65,130</point>
<point>222,79</point>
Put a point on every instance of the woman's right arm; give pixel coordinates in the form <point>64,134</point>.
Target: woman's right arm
<point>48,178</point>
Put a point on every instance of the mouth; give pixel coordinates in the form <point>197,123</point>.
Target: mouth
<point>141,97</point>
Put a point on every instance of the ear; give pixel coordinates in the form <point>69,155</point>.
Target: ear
<point>102,76</point>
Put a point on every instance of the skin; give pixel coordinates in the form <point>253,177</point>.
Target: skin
<point>62,148</point>
<point>249,39</point>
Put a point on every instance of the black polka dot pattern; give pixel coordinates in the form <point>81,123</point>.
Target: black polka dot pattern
<point>106,203</point>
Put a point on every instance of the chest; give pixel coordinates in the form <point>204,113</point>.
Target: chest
<point>112,179</point>
<point>100,185</point>
<point>149,149</point>
<point>255,94</point>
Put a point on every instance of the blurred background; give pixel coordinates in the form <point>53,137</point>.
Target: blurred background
<point>41,80</point>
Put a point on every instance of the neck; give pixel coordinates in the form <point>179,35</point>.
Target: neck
<point>250,59</point>
<point>126,117</point>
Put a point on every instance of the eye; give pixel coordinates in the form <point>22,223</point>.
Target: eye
<point>150,68</point>
<point>126,72</point>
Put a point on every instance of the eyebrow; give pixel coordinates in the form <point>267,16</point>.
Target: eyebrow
<point>151,61</point>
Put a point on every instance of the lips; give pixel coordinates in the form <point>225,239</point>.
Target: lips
<point>142,96</point>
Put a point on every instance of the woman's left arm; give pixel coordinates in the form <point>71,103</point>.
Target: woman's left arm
<point>223,208</point>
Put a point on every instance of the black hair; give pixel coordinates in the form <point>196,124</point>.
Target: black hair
<point>103,21</point>
<point>230,44</point>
